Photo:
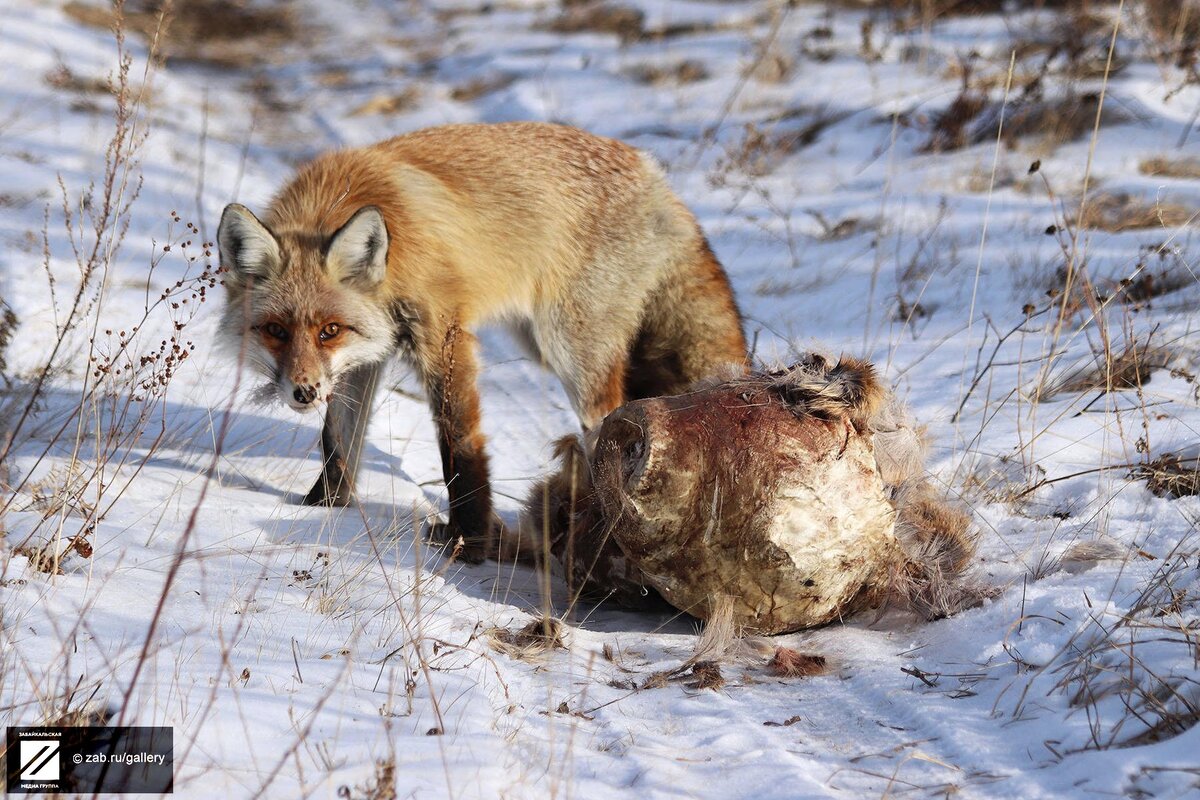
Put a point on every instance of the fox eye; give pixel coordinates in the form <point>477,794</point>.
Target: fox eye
<point>276,331</point>
<point>329,331</point>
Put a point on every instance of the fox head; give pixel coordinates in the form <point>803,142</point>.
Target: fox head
<point>302,307</point>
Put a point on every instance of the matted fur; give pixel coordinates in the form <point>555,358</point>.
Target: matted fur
<point>926,569</point>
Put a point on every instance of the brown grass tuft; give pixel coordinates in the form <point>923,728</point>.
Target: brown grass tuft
<point>85,716</point>
<point>381,787</point>
<point>1116,212</point>
<point>61,77</point>
<point>1174,24</point>
<point>706,675</point>
<point>763,148</point>
<point>972,118</point>
<point>227,33</point>
<point>1129,368</point>
<point>1151,284</point>
<point>8,327</point>
<point>483,85</point>
<point>686,71</point>
<point>389,103</point>
<point>1187,167</point>
<point>1170,475</point>
<point>625,21</point>
<point>534,640</point>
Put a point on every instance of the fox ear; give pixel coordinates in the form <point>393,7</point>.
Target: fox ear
<point>248,250</point>
<point>358,251</point>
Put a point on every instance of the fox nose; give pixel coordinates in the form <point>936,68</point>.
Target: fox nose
<point>305,394</point>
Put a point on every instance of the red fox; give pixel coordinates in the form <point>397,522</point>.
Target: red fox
<point>576,241</point>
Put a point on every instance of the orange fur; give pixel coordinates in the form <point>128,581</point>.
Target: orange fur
<point>574,238</point>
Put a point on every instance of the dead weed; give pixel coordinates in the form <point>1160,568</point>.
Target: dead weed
<point>225,33</point>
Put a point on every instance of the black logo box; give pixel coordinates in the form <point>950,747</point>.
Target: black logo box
<point>113,760</point>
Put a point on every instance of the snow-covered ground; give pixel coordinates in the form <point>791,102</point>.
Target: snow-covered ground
<point>294,650</point>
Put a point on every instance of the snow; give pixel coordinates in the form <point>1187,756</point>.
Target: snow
<point>291,648</point>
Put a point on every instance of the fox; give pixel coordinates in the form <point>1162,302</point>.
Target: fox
<point>574,241</point>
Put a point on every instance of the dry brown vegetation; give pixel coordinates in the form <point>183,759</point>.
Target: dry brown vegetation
<point>1131,367</point>
<point>61,77</point>
<point>1171,475</point>
<point>627,22</point>
<point>973,118</point>
<point>1116,212</point>
<point>1186,167</point>
<point>1151,284</point>
<point>535,639</point>
<point>1173,22</point>
<point>624,21</point>
<point>390,103</point>
<point>227,33</point>
<point>481,86</point>
<point>1105,663</point>
<point>381,787</point>
<point>763,147</point>
<point>686,71</point>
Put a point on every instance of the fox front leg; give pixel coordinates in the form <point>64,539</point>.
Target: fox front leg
<point>342,436</point>
<point>454,398</point>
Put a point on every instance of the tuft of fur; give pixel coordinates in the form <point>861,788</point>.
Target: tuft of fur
<point>553,505</point>
<point>723,640</point>
<point>937,542</point>
<point>849,388</point>
<point>1082,556</point>
<point>900,444</point>
<point>789,663</point>
<point>563,524</point>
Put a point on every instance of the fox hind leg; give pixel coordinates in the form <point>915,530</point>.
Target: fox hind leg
<point>692,329</point>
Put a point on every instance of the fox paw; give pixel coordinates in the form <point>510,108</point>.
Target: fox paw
<point>466,546</point>
<point>323,494</point>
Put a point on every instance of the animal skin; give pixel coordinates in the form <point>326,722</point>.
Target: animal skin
<point>784,499</point>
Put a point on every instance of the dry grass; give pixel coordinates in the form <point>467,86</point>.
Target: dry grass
<point>1117,212</point>
<point>676,74</point>
<point>8,327</point>
<point>1129,368</point>
<point>226,33</point>
<point>1151,284</point>
<point>529,643</point>
<point>706,675</point>
<point>973,118</point>
<point>1171,475</point>
<point>1186,167</point>
<point>390,103</point>
<point>61,77</point>
<point>773,66</point>
<point>762,148</point>
<point>481,86</point>
<point>381,787</point>
<point>1175,23</point>
<point>1106,670</point>
<point>624,21</point>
